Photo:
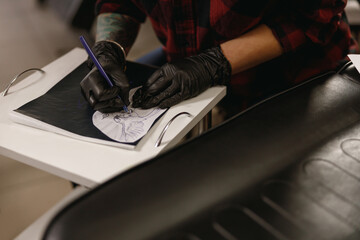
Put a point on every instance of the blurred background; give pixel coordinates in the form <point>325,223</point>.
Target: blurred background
<point>34,33</point>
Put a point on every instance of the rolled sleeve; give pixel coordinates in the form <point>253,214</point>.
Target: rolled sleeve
<point>310,21</point>
<point>125,7</point>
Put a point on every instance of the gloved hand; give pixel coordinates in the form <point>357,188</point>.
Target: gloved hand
<point>94,87</point>
<point>183,79</point>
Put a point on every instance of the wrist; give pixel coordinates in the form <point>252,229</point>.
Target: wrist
<point>110,52</point>
<point>220,64</point>
<point>119,46</point>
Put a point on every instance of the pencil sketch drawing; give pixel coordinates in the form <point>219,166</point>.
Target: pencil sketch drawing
<point>126,127</point>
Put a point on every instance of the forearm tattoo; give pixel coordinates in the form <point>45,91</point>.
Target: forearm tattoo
<point>117,27</point>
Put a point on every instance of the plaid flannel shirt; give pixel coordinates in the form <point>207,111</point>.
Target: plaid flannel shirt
<point>313,34</point>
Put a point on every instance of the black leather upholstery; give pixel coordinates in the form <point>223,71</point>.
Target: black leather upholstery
<point>288,168</point>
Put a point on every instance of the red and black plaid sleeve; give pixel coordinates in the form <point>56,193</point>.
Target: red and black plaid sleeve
<point>126,7</point>
<point>313,34</point>
<point>310,20</point>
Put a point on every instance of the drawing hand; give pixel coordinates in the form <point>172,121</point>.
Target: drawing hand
<point>183,79</point>
<point>95,88</point>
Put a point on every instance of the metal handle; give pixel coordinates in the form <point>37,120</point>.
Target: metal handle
<point>158,142</point>
<point>17,76</point>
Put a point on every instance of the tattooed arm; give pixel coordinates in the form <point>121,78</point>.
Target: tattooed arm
<point>117,27</point>
<point>115,34</point>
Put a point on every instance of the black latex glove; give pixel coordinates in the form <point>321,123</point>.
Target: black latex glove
<point>183,79</point>
<point>94,87</point>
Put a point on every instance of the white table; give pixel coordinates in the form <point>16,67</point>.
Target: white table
<point>85,163</point>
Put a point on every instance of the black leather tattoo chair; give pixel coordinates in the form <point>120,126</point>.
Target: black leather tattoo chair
<point>288,168</point>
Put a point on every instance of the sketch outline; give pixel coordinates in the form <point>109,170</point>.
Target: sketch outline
<point>127,127</point>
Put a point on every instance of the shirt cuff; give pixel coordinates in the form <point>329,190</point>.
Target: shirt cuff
<point>125,9</point>
<point>289,36</point>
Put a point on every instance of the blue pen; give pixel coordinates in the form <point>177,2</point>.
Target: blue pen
<point>98,65</point>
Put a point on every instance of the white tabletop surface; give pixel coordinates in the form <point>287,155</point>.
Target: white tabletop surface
<point>85,163</point>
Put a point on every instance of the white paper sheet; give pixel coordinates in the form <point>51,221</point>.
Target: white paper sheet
<point>126,127</point>
<point>355,58</point>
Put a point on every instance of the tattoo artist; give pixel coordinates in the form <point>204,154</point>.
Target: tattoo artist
<point>256,48</point>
